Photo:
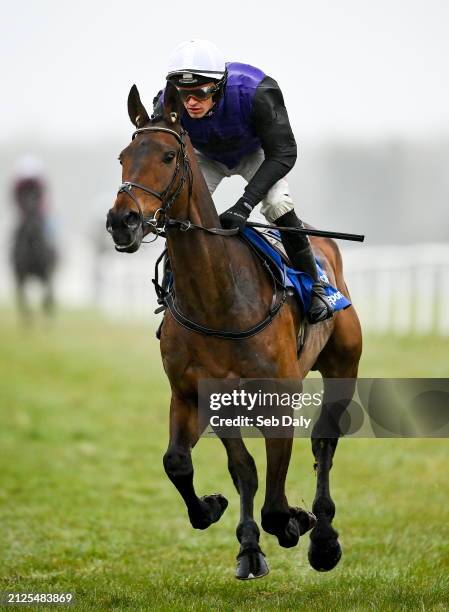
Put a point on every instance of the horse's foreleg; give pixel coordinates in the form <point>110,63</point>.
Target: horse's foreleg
<point>48,302</point>
<point>184,434</point>
<point>278,518</point>
<point>22,303</point>
<point>250,560</point>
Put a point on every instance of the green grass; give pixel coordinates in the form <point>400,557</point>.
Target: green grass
<point>85,505</point>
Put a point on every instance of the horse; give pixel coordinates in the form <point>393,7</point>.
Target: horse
<point>33,255</point>
<point>220,285</point>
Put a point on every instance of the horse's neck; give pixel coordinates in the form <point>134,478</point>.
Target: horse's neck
<point>203,270</point>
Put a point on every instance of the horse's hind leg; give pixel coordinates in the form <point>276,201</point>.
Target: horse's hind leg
<point>184,434</point>
<point>250,560</point>
<point>287,523</point>
<point>339,360</point>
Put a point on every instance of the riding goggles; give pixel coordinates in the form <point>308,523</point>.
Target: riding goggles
<point>199,93</point>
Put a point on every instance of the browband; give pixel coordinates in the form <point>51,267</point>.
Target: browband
<point>158,129</point>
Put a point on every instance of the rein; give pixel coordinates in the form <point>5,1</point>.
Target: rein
<point>167,197</point>
<point>160,220</point>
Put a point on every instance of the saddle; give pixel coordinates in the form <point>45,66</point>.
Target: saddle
<point>269,248</point>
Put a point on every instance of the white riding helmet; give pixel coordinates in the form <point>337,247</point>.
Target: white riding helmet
<point>196,58</point>
<point>29,167</point>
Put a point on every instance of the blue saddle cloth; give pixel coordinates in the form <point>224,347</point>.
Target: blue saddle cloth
<point>300,282</point>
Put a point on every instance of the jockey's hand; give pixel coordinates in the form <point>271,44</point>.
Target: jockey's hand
<point>237,215</point>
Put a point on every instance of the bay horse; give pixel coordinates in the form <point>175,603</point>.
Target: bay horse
<point>220,284</point>
<point>33,255</point>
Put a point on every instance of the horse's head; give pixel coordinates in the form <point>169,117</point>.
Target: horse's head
<point>155,172</point>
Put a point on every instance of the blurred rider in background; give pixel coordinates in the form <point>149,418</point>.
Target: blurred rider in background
<point>30,192</point>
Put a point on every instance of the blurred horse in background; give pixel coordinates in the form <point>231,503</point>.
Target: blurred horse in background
<point>33,253</point>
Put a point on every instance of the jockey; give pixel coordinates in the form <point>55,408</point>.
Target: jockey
<point>238,124</point>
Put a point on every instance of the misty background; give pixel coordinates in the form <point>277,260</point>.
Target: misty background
<point>365,84</point>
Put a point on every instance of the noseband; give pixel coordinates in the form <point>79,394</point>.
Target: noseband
<point>166,197</point>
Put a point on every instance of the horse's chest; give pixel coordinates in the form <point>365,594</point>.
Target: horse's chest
<point>243,360</point>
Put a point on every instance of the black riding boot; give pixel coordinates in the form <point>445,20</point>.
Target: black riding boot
<point>301,256</point>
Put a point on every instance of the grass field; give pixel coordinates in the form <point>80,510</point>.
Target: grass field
<point>85,505</point>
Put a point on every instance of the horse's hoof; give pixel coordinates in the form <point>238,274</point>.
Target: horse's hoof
<point>217,505</point>
<point>212,507</point>
<point>287,527</point>
<point>324,554</point>
<point>306,520</point>
<point>251,564</point>
<point>290,536</point>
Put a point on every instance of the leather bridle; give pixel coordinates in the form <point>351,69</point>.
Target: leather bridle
<point>167,197</point>
<point>161,220</point>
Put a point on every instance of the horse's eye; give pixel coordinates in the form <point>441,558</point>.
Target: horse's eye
<point>169,156</point>
<point>120,160</point>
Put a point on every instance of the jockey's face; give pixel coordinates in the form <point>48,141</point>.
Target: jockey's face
<point>198,108</point>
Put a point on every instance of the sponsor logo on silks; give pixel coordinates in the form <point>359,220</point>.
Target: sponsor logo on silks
<point>334,297</point>
<point>324,277</point>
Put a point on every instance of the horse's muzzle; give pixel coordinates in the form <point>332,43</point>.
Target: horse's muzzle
<point>126,230</point>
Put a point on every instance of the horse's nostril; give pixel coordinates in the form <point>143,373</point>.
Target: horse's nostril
<point>131,220</point>
<point>109,218</point>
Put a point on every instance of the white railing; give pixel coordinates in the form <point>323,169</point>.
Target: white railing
<point>399,290</point>
<point>395,289</point>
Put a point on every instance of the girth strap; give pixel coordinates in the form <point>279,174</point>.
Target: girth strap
<point>229,335</point>
<point>167,299</point>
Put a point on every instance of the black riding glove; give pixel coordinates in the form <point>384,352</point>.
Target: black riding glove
<point>237,215</point>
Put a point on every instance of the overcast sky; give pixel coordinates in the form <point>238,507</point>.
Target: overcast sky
<point>348,68</point>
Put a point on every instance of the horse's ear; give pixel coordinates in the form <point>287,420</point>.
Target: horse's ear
<point>173,106</point>
<point>136,110</point>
